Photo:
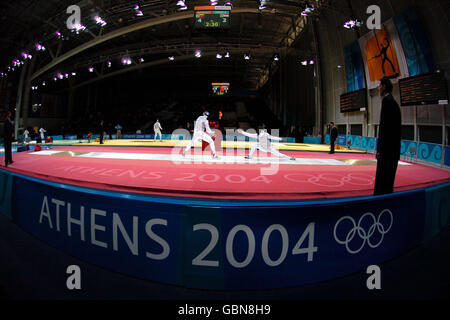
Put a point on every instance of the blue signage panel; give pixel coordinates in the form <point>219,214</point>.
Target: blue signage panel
<point>258,248</point>
<point>341,140</point>
<point>218,245</point>
<point>135,238</point>
<point>430,152</point>
<point>438,210</point>
<point>6,185</point>
<point>447,156</point>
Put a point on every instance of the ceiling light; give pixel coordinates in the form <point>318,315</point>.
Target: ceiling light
<point>353,23</point>
<point>78,27</point>
<point>126,61</point>
<point>308,10</point>
<point>100,21</point>
<point>39,47</point>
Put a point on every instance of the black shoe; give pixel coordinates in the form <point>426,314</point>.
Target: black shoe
<point>247,157</point>
<point>293,159</point>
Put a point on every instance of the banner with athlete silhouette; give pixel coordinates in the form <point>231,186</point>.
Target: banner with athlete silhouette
<point>383,55</point>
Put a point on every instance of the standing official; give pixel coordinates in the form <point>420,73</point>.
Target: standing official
<point>8,137</point>
<point>333,136</point>
<point>389,140</point>
<point>102,131</point>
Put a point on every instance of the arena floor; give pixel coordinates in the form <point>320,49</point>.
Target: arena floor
<point>163,171</point>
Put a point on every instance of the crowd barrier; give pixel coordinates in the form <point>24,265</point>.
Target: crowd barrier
<point>413,150</point>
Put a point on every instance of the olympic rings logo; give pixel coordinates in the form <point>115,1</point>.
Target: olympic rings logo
<point>332,179</point>
<point>363,234</point>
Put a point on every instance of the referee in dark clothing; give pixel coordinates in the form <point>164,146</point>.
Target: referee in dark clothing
<point>8,136</point>
<point>389,140</point>
<point>102,130</point>
<point>333,136</point>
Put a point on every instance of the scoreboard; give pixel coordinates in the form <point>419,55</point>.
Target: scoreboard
<point>212,17</point>
<point>220,89</point>
<point>430,88</point>
<point>354,101</point>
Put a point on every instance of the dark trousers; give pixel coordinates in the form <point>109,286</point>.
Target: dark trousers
<point>101,137</point>
<point>332,146</point>
<point>8,157</point>
<point>385,176</point>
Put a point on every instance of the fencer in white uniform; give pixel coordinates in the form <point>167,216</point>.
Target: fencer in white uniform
<point>157,128</point>
<point>42,131</point>
<point>264,143</point>
<point>26,135</point>
<point>202,132</point>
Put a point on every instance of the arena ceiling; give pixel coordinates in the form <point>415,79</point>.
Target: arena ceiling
<point>149,39</point>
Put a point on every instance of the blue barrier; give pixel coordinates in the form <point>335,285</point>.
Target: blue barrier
<point>225,245</point>
<point>430,152</point>
<point>57,138</point>
<point>312,140</point>
<point>93,136</point>
<point>72,137</point>
<point>408,148</point>
<point>447,156</point>
<point>368,143</point>
<point>355,141</point>
<point>341,140</point>
<point>6,185</point>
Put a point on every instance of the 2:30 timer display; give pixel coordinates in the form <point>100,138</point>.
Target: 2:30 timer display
<point>212,19</point>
